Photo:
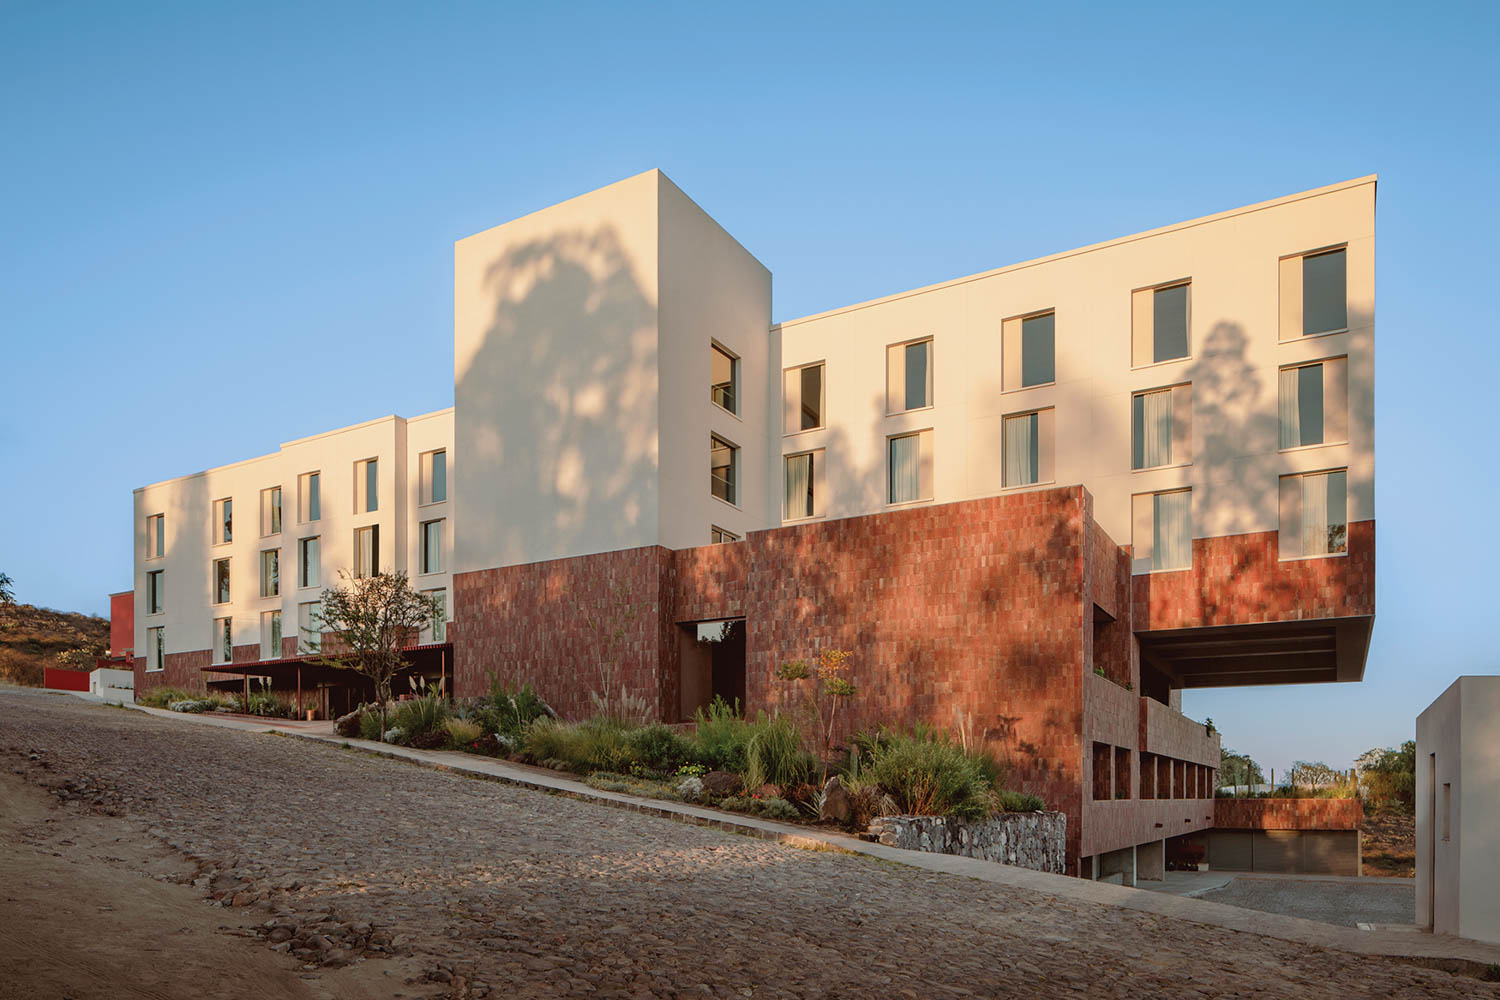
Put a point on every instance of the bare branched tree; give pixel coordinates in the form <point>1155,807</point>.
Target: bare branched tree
<point>370,619</point>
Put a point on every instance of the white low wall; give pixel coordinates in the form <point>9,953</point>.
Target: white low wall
<point>113,685</point>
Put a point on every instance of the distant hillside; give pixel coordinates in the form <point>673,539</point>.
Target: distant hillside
<point>32,637</point>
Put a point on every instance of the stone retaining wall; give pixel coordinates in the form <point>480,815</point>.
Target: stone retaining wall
<point>1027,840</point>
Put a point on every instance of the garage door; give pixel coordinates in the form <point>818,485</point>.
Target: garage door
<point>1330,852</point>
<point>1229,850</point>
<point>1277,851</point>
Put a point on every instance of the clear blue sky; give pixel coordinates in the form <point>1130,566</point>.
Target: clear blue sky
<point>198,201</point>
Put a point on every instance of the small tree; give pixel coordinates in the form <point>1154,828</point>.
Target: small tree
<point>371,618</point>
<point>81,657</point>
<point>1237,769</point>
<point>7,591</point>
<point>831,685</point>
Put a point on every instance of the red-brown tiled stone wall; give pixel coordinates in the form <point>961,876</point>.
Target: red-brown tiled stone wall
<point>184,670</point>
<point>1239,579</point>
<point>1288,814</point>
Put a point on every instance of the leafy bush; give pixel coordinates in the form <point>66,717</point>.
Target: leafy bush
<point>161,697</point>
<point>594,745</point>
<point>420,715</point>
<point>659,748</point>
<point>1018,802</point>
<point>722,739</point>
<point>631,785</point>
<point>369,725</point>
<point>770,808</point>
<point>508,709</point>
<point>775,755</point>
<point>930,775</point>
<point>462,732</point>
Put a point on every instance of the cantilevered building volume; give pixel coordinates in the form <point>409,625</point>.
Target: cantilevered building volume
<point>1036,502</point>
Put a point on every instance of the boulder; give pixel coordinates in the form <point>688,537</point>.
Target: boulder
<point>836,805</point>
<point>718,784</point>
<point>348,725</point>
<point>768,791</point>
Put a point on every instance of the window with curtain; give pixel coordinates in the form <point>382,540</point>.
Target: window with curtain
<point>1169,328</point>
<point>1172,530</point>
<point>432,546</point>
<point>1022,455</point>
<point>367,551</point>
<point>908,376</point>
<point>309,488</point>
<point>905,468</point>
<point>1325,306</point>
<point>223,640</point>
<point>724,378</point>
<point>799,487</point>
<point>1152,429</point>
<point>221,581</point>
<point>270,573</point>
<point>434,473</point>
<point>156,648</point>
<point>438,627</point>
<point>723,459</point>
<point>156,536</point>
<point>1038,350</point>
<point>1302,406</point>
<point>310,626</point>
<point>366,486</point>
<point>270,635</point>
<point>223,521</point>
<point>308,561</point>
<point>155,592</point>
<point>270,511</point>
<point>1325,527</point>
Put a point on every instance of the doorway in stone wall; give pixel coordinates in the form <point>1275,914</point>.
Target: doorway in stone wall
<point>712,655</point>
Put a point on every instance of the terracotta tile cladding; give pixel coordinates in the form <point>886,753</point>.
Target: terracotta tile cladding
<point>1288,814</point>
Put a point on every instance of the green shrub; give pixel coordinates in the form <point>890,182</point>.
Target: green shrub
<point>775,755</point>
<point>631,785</point>
<point>461,732</point>
<point>1018,802</point>
<point>770,808</point>
<point>659,748</point>
<point>510,710</point>
<point>369,725</point>
<point>722,739</point>
<point>161,697</point>
<point>930,775</point>
<point>594,745</point>
<point>416,716</point>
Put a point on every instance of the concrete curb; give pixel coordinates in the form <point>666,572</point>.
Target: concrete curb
<point>1434,951</point>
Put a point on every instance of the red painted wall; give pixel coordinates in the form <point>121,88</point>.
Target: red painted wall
<point>122,623</point>
<point>65,680</point>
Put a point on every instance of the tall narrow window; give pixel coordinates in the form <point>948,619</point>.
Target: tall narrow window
<point>909,467</point>
<point>724,460</point>
<point>310,497</point>
<point>309,556</point>
<point>223,521</point>
<point>1314,403</point>
<point>719,536</point>
<point>908,376</point>
<point>1325,306</point>
<point>1161,423</point>
<point>223,640</point>
<point>270,511</point>
<point>156,648</point>
<point>1172,530</point>
<point>270,573</point>
<point>1038,336</point>
<point>155,592</point>
<point>367,551</point>
<point>437,630</point>
<point>1168,325</point>
<point>434,472</point>
<point>724,379</point>
<point>802,399</point>
<point>1022,456</point>
<point>1314,514</point>
<point>221,581</point>
<point>800,498</point>
<point>366,486</point>
<point>270,635</point>
<point>309,626</point>
<point>156,536</point>
<point>432,546</point>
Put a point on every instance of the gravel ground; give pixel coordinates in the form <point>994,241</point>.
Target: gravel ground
<point>495,890</point>
<point>1333,902</point>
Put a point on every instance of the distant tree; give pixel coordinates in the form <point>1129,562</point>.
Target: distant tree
<point>81,657</point>
<point>1311,774</point>
<point>7,590</point>
<point>371,618</point>
<point>1388,778</point>
<point>1238,769</point>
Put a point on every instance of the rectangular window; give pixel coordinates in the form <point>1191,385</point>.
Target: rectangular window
<point>1162,531</point>
<point>223,640</point>
<point>1122,772</point>
<point>1314,294</point>
<point>366,486</point>
<point>437,629</point>
<point>1314,403</point>
<point>367,551</point>
<point>908,376</point>
<point>724,460</point>
<point>270,635</point>
<point>221,581</point>
<point>1314,514</point>
<point>156,648</point>
<point>270,573</point>
<point>309,626</point>
<point>803,476</point>
<point>909,461</point>
<point>155,592</point>
<point>310,497</point>
<point>724,378</point>
<point>156,536</point>
<point>432,547</point>
<point>223,521</point>
<point>270,511</point>
<point>718,536</point>
<point>309,555</point>
<point>1038,365</point>
<point>434,471</point>
<point>802,398</point>
<point>1447,810</point>
<point>1159,324</point>
<point>1161,427</point>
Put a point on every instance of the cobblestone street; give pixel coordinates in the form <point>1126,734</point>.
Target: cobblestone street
<point>483,889</point>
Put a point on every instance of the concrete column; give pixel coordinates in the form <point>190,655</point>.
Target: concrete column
<point>1151,861</point>
<point>1121,862</point>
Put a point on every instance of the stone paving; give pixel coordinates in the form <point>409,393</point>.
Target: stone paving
<point>1342,901</point>
<point>496,890</point>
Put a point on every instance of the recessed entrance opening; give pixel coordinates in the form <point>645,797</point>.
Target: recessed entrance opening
<point>712,655</point>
